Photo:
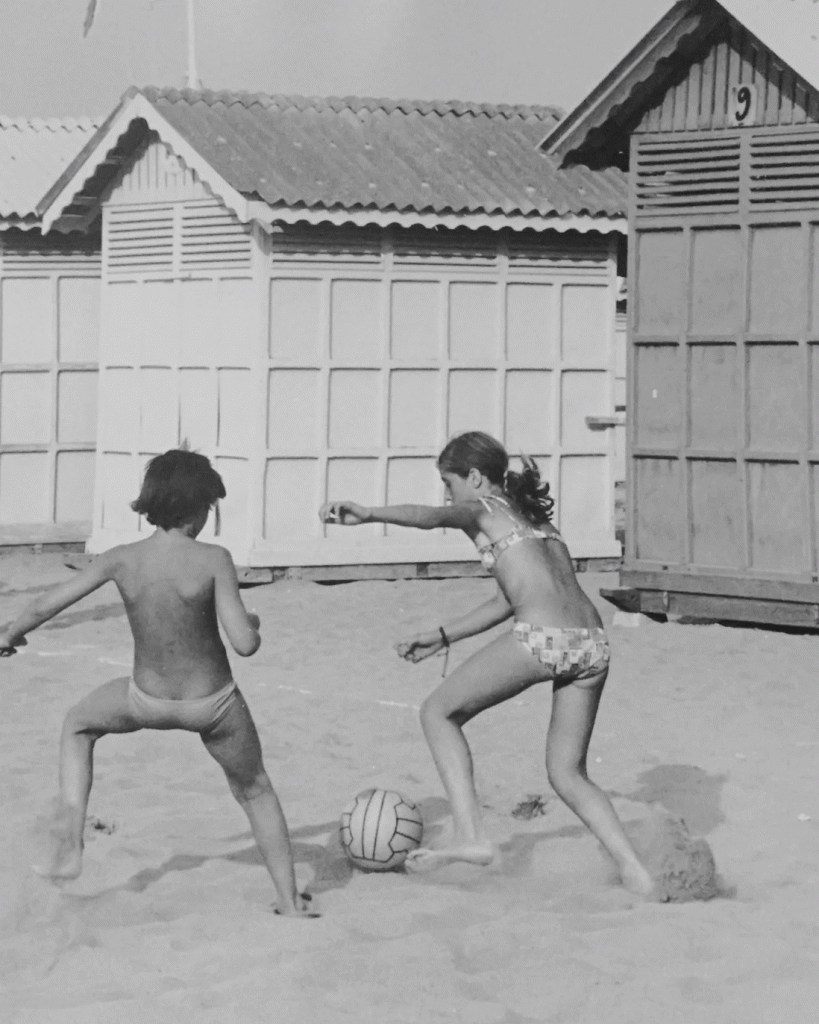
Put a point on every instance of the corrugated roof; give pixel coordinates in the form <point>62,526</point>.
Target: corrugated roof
<point>353,153</point>
<point>34,152</point>
<point>788,28</point>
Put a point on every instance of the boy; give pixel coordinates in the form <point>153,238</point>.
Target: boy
<point>176,591</point>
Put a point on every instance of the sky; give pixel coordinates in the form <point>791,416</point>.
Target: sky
<point>491,51</point>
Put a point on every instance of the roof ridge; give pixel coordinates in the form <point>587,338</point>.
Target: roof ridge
<point>354,103</point>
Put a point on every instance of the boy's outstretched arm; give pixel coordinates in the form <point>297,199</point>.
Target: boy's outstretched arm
<point>241,628</point>
<point>55,600</point>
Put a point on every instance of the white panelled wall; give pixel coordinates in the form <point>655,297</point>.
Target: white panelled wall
<point>49,336</point>
<point>383,345</point>
<point>330,363</point>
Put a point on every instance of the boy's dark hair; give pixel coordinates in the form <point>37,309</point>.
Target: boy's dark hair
<point>177,487</point>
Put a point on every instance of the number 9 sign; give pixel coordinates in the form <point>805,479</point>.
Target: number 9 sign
<point>742,104</point>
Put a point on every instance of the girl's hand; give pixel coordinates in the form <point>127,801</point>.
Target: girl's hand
<point>420,647</point>
<point>10,643</point>
<point>344,513</point>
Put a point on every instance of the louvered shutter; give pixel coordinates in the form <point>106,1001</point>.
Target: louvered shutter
<point>139,239</point>
<point>684,176</point>
<point>784,170</point>
<point>212,238</point>
<point>758,171</point>
<point>175,239</point>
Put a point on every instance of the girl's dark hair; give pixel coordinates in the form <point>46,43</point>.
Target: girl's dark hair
<point>488,456</point>
<point>178,486</point>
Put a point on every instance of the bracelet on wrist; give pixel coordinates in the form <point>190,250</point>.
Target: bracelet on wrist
<point>447,645</point>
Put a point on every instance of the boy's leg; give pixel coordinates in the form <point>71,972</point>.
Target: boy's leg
<point>104,710</point>
<point>234,743</point>
<point>574,709</point>
<point>499,671</point>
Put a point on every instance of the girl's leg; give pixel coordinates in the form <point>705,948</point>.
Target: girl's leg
<point>499,671</point>
<point>234,743</point>
<point>104,710</point>
<point>574,709</point>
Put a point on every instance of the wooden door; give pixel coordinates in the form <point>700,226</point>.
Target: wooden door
<point>382,346</point>
<point>49,339</point>
<point>724,359</point>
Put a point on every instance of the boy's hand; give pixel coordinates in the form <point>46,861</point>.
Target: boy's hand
<point>10,643</point>
<point>420,647</point>
<point>345,513</point>
<point>255,621</point>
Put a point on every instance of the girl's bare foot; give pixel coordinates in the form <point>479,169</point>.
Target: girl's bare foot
<point>63,862</point>
<point>424,859</point>
<point>639,882</point>
<point>300,907</point>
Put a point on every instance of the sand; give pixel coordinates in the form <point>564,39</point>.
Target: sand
<point>170,921</point>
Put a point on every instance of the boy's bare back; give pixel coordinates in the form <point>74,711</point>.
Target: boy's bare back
<point>171,586</point>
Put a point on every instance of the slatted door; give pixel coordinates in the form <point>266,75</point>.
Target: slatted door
<point>49,339</point>
<point>724,358</point>
<point>381,346</point>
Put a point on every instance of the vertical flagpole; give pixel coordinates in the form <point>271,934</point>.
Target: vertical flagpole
<point>193,76</point>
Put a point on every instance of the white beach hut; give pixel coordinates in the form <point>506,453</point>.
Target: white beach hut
<point>49,336</point>
<point>316,293</point>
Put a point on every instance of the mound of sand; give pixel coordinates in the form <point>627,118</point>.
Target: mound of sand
<point>682,867</point>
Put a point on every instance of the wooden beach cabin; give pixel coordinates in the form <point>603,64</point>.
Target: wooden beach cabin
<point>49,336</point>
<point>316,293</point>
<point>714,115</point>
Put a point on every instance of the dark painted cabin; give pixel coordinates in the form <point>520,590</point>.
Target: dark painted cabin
<point>720,136</point>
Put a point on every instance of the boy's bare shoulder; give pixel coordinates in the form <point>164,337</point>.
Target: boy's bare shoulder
<point>215,554</point>
<point>115,557</point>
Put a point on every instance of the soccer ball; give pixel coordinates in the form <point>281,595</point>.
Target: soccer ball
<point>379,828</point>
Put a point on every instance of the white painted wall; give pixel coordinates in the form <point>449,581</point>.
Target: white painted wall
<point>381,349</point>
<point>49,338</point>
<point>317,363</point>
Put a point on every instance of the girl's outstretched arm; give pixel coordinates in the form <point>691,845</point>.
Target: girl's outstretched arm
<point>485,616</point>
<point>55,600</point>
<point>460,516</point>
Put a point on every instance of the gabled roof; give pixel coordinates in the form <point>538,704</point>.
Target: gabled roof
<point>33,154</point>
<point>789,28</point>
<point>377,161</point>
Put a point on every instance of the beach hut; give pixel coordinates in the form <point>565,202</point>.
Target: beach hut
<point>318,292</point>
<point>715,117</point>
<point>49,301</point>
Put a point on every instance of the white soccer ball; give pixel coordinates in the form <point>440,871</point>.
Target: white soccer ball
<point>379,828</point>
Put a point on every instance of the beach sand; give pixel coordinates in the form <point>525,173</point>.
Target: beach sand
<point>170,921</point>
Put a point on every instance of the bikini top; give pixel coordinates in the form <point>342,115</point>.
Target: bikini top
<point>489,553</point>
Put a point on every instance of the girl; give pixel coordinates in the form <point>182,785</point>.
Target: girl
<point>557,635</point>
<point>176,591</point>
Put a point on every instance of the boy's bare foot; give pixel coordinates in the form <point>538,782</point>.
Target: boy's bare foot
<point>62,858</point>
<point>424,859</point>
<point>63,863</point>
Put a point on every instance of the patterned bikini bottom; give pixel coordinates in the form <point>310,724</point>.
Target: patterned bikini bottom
<point>565,653</point>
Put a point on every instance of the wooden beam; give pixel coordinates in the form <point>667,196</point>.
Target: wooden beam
<point>724,586</point>
<point>625,598</point>
<point>714,608</point>
<point>731,609</point>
